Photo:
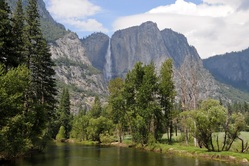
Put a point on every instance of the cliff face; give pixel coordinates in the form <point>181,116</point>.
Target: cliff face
<point>146,43</point>
<point>74,69</point>
<point>96,48</point>
<point>142,43</point>
<point>178,47</point>
<point>230,68</point>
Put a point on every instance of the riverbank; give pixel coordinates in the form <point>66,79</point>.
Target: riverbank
<point>180,150</point>
<point>190,151</point>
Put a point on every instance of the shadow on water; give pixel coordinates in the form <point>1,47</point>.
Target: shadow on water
<point>79,155</point>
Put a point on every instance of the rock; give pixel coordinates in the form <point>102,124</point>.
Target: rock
<point>178,47</point>
<point>95,49</point>
<point>142,43</point>
<point>245,161</point>
<point>232,158</point>
<point>74,69</point>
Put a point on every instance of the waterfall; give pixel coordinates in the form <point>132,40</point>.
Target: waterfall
<point>108,65</point>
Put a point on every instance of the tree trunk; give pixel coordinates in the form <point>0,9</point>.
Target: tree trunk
<point>186,136</point>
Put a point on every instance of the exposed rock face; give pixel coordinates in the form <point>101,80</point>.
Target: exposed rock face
<point>231,68</point>
<point>95,48</point>
<point>178,47</point>
<point>146,43</point>
<point>74,69</point>
<point>142,43</point>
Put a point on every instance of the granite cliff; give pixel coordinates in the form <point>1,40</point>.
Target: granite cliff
<point>146,43</point>
<point>74,70</point>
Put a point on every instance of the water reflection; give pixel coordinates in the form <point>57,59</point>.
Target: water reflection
<point>78,155</point>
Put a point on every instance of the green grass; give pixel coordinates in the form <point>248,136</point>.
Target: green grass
<point>191,151</point>
<point>180,148</point>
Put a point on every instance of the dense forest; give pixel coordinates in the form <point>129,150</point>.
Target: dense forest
<point>27,84</point>
<point>144,106</point>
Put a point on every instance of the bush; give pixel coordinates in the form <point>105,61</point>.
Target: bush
<point>61,136</point>
<point>106,138</point>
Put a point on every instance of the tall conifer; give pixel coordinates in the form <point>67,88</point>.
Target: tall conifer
<point>42,89</point>
<point>7,56</point>
<point>19,33</point>
<point>64,109</point>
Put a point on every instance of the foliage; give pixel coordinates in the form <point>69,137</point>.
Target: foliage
<point>137,101</point>
<point>65,117</point>
<point>96,108</point>
<point>99,126</point>
<point>61,136</point>
<point>116,101</point>
<point>27,81</point>
<point>90,70</point>
<point>167,95</point>
<point>14,137</point>
<point>93,125</point>
<point>210,119</point>
<point>51,30</point>
<point>79,127</point>
<point>8,56</point>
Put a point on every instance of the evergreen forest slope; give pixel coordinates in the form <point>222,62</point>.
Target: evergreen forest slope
<point>50,28</point>
<point>230,68</point>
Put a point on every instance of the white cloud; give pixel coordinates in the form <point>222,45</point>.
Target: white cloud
<point>76,13</point>
<point>213,27</point>
<point>90,25</point>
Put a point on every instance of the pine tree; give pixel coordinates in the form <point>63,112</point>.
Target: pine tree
<point>41,93</point>
<point>7,56</point>
<point>19,33</point>
<point>61,136</point>
<point>96,110</point>
<point>64,111</point>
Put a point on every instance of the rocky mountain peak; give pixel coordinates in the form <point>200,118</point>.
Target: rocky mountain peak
<point>178,47</point>
<point>139,43</point>
<point>69,47</point>
<point>149,25</point>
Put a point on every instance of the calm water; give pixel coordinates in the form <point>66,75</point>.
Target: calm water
<point>79,155</point>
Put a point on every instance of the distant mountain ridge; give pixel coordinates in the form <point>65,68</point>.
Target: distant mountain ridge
<point>230,68</point>
<point>50,28</point>
<point>145,43</point>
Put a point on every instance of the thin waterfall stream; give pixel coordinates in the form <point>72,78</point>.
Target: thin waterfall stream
<point>108,65</point>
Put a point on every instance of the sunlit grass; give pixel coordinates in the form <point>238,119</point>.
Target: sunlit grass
<point>179,147</point>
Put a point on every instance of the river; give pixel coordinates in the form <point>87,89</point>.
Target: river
<point>80,155</point>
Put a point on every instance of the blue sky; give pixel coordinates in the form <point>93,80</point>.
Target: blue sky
<point>212,26</point>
